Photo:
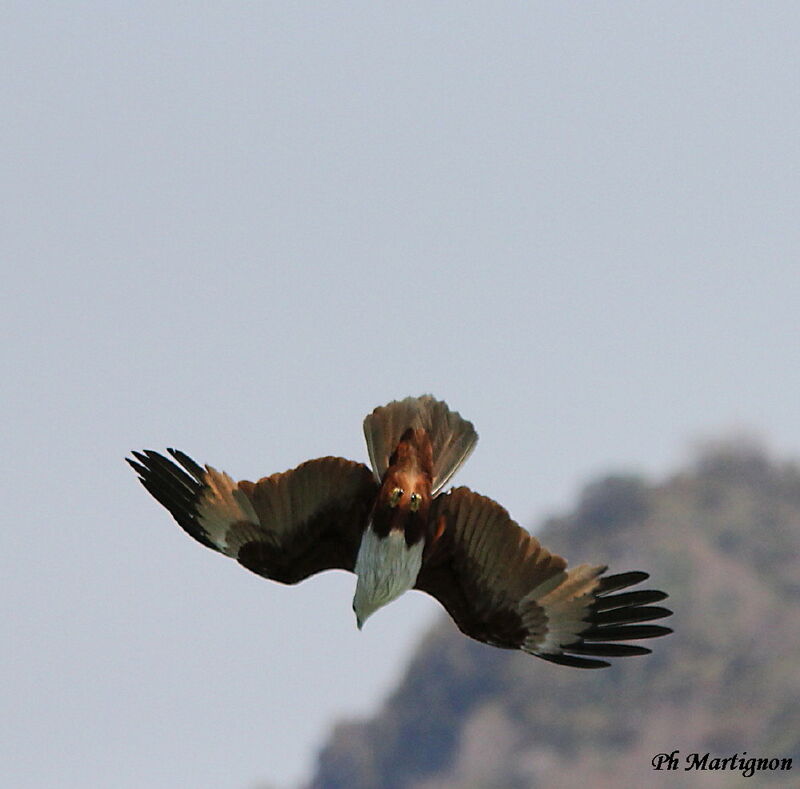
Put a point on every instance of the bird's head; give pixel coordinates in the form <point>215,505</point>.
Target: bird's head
<point>404,497</point>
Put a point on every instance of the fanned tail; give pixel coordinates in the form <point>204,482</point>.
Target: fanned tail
<point>452,437</point>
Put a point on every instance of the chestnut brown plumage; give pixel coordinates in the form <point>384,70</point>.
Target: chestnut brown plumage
<point>394,528</point>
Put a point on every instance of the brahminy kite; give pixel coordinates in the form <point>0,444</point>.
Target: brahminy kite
<point>395,529</point>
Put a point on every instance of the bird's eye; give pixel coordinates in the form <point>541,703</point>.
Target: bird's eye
<point>395,496</point>
<point>416,500</point>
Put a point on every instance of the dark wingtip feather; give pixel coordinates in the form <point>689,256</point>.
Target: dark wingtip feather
<point>608,650</point>
<point>140,456</point>
<point>189,464</point>
<point>173,488</point>
<point>625,632</point>
<point>575,662</point>
<point>613,582</point>
<point>630,614</point>
<point>139,469</point>
<point>615,617</point>
<point>646,596</point>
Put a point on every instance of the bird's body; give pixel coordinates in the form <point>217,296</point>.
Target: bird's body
<point>394,528</point>
<point>390,554</point>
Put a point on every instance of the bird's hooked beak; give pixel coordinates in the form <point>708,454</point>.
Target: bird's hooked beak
<point>361,606</point>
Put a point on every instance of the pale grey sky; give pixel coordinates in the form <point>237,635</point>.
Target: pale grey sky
<point>235,228</point>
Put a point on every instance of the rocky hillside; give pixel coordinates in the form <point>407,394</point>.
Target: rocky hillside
<point>724,539</point>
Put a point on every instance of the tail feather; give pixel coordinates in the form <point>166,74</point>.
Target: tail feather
<point>452,437</point>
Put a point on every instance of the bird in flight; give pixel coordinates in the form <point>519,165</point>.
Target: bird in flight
<point>395,529</point>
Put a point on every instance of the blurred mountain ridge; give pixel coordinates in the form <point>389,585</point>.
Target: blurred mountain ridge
<point>722,537</point>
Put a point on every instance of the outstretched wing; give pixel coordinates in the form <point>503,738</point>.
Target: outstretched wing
<point>503,588</point>
<point>285,527</point>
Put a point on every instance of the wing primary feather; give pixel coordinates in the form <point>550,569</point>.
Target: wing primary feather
<point>571,660</point>
<point>179,498</point>
<point>158,473</point>
<point>170,498</point>
<point>624,632</point>
<point>170,468</point>
<point>644,597</point>
<point>621,616</point>
<point>138,468</point>
<point>613,582</point>
<point>190,465</point>
<point>608,650</point>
